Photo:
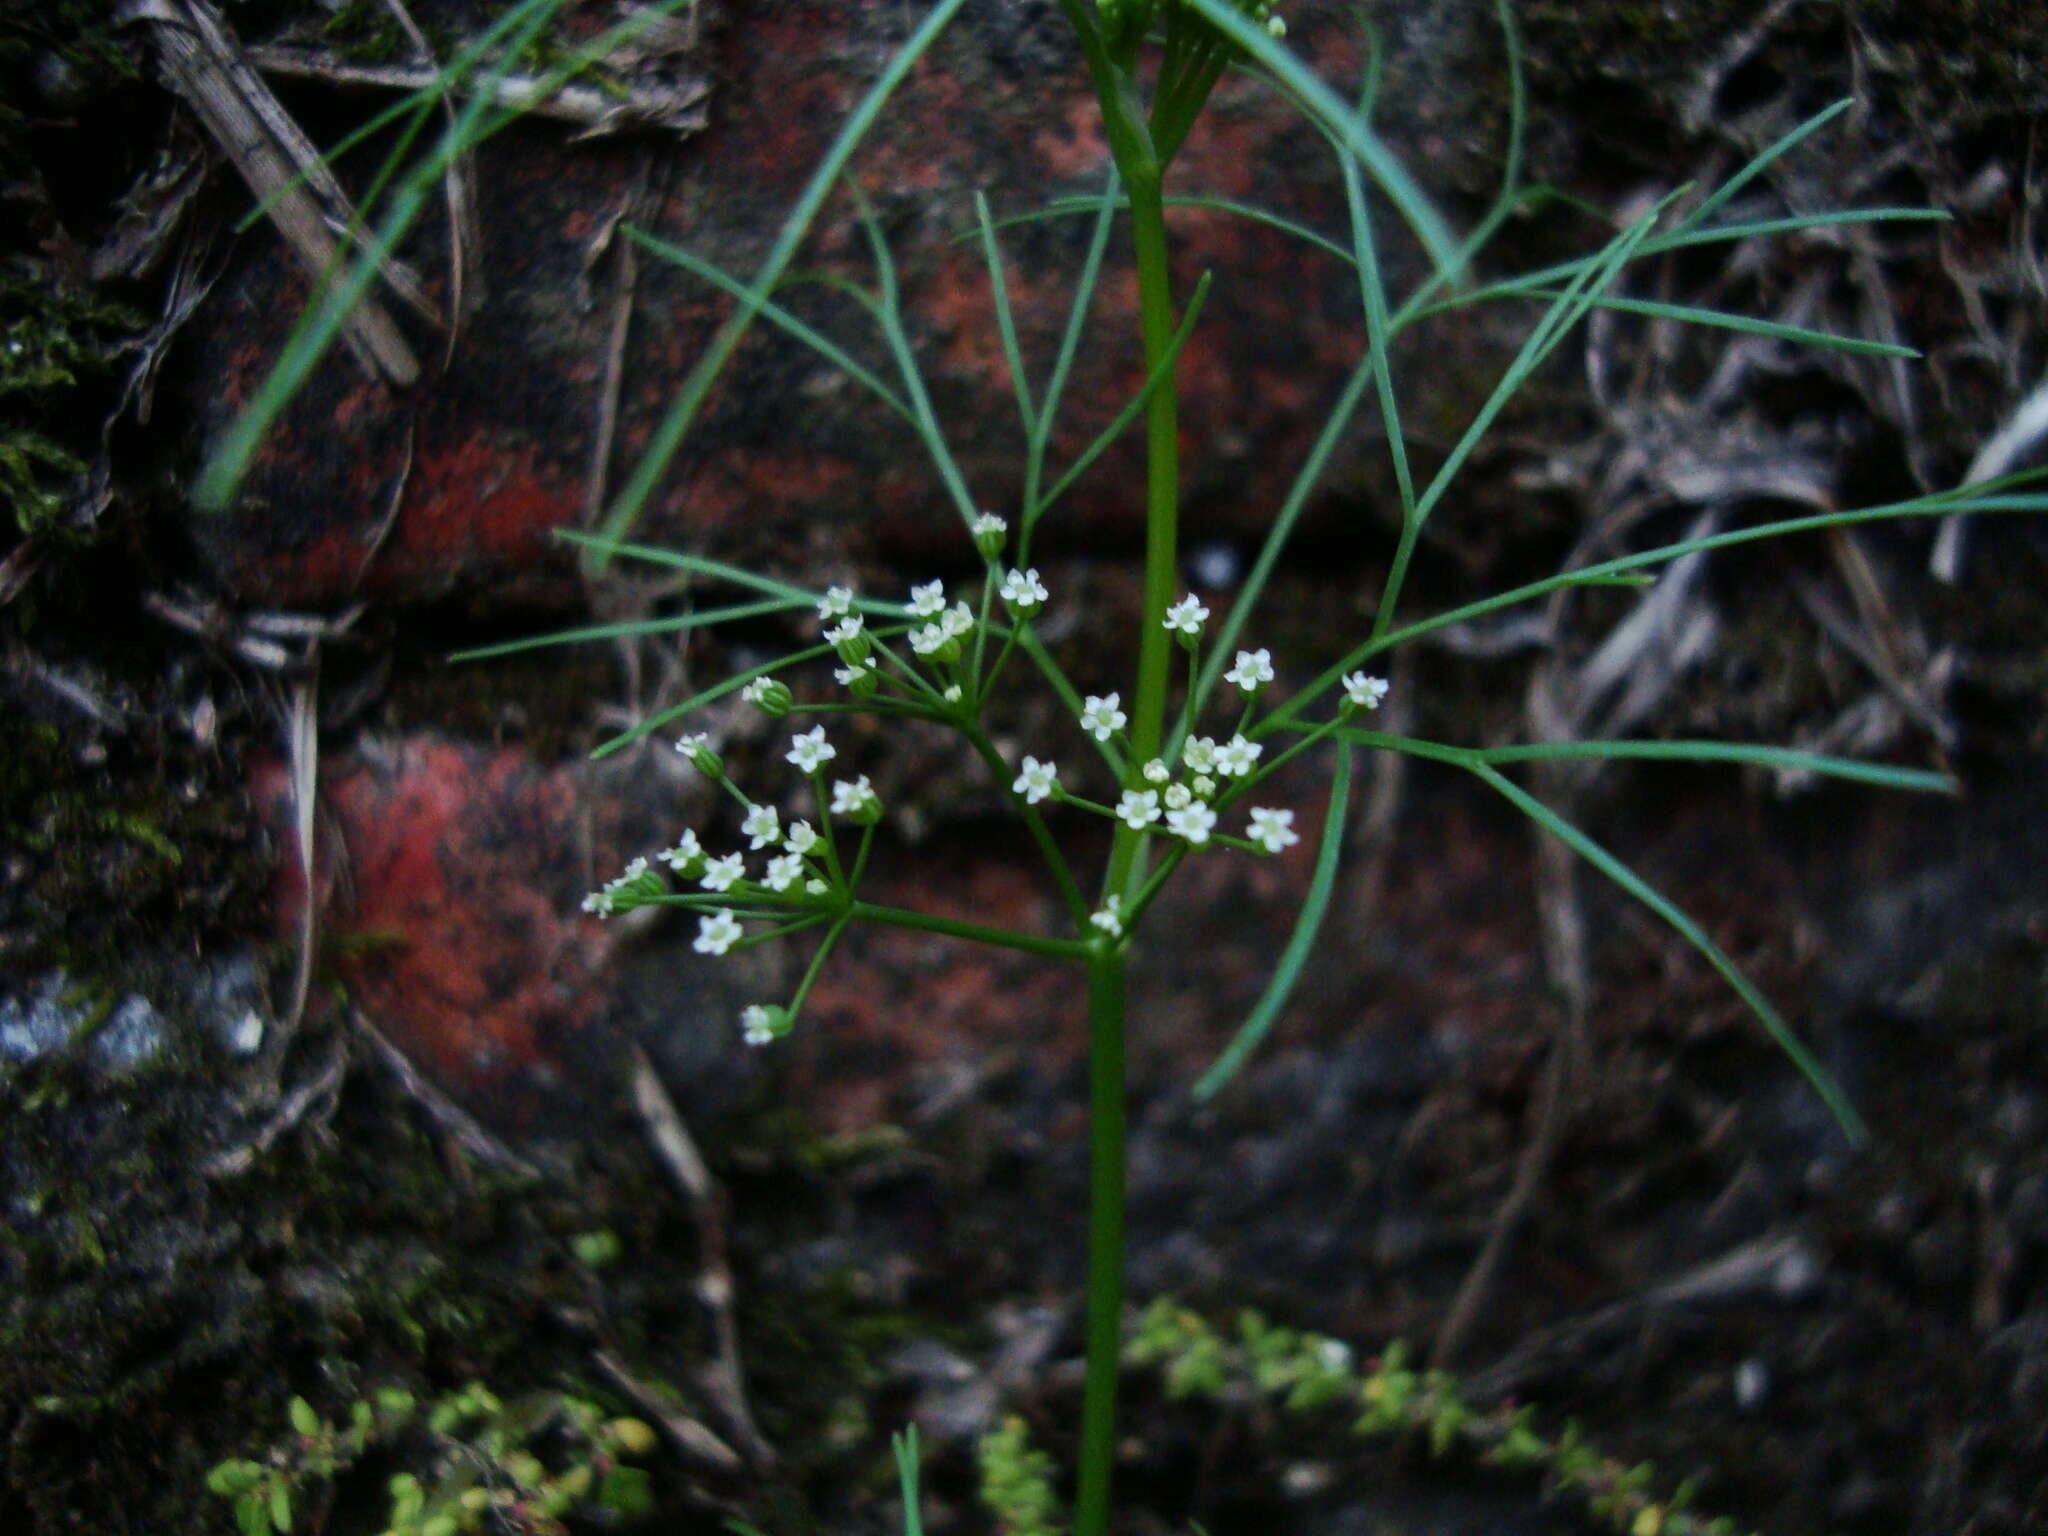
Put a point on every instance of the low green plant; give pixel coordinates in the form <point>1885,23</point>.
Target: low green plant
<point>1180,759</point>
<point>478,1460</point>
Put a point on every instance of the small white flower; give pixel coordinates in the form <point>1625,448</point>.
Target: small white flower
<point>631,872</point>
<point>1194,822</point>
<point>1185,617</point>
<point>810,751</point>
<point>952,695</point>
<point>1139,808</point>
<point>763,826</point>
<point>1036,780</point>
<point>836,604</point>
<point>1202,785</point>
<point>802,837</point>
<point>1110,919</point>
<point>1252,670</point>
<point>1276,27</point>
<point>846,677</point>
<point>722,874</point>
<point>757,1025</point>
<point>688,744</point>
<point>1333,1355</point>
<point>1022,591</point>
<point>1101,718</point>
<point>686,852</point>
<point>1156,772</point>
<point>1365,692</point>
<point>751,694</point>
<point>1235,757</point>
<point>929,600</point>
<point>844,630</point>
<point>716,933</point>
<point>1199,755</point>
<point>957,621</point>
<point>1272,830</point>
<point>928,638</point>
<point>988,525</point>
<point>851,799</point>
<point>815,887</point>
<point>1178,796</point>
<point>784,870</point>
<point>598,903</point>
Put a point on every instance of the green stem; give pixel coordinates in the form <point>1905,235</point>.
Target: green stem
<point>1107,973</point>
<point>953,928</point>
<point>1162,496</point>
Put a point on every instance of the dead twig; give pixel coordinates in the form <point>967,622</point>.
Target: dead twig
<point>724,1378</point>
<point>692,1440</point>
<point>317,1097</point>
<point>451,1117</point>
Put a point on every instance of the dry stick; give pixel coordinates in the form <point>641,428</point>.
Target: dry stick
<point>451,1117</point>
<point>677,109</point>
<point>203,63</point>
<point>322,1090</point>
<point>693,1441</point>
<point>724,1378</point>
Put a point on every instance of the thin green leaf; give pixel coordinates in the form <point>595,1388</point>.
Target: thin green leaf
<point>1360,141</point>
<point>1787,758</point>
<point>668,436</point>
<point>710,695</point>
<point>1722,320</point>
<point>1713,202</point>
<point>823,345</point>
<point>1822,1081</point>
<point>999,289</point>
<point>1300,943</point>
<point>1132,408</point>
<point>696,565</point>
<point>702,618</point>
<point>905,1447</point>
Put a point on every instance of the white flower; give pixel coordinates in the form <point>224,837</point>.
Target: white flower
<point>1101,718</point>
<point>810,751</point>
<point>1139,808</point>
<point>1110,919</point>
<point>928,638</point>
<point>957,620</point>
<point>1235,757</point>
<point>721,874</point>
<point>1252,670</point>
<point>844,630</point>
<point>1178,796</point>
<point>1272,830</point>
<point>716,933</point>
<point>1036,780</point>
<point>802,837</point>
<point>599,903</point>
<point>836,604</point>
<point>952,695</point>
<point>988,525</point>
<point>1333,1355</point>
<point>757,1025</point>
<point>815,887</point>
<point>1022,591</point>
<point>852,799</point>
<point>686,852</point>
<point>1365,692</point>
<point>784,870</point>
<point>1156,772</point>
<point>1199,755</point>
<point>751,694</point>
<point>1276,27</point>
<point>631,872</point>
<point>1202,785</point>
<point>1185,617</point>
<point>1193,822</point>
<point>929,600</point>
<point>846,677</point>
<point>688,744</point>
<point>763,826</point>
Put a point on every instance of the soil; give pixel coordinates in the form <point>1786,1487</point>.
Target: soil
<point>220,1195</point>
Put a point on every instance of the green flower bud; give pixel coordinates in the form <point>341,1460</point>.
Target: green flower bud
<point>696,746</point>
<point>770,696</point>
<point>990,532</point>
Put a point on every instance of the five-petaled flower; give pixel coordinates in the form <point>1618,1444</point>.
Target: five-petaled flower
<point>844,630</point>
<point>1272,830</point>
<point>716,933</point>
<point>1252,670</point>
<point>1100,716</point>
<point>757,1025</point>
<point>763,826</point>
<point>1194,822</point>
<point>1036,780</point>
<point>723,874</point>
<point>1023,593</point>
<point>837,603</point>
<point>802,837</point>
<point>1139,808</point>
<point>784,870</point>
<point>1185,617</point>
<point>810,751</point>
<point>686,854</point>
<point>929,600</point>
<point>1235,757</point>
<point>1365,692</point>
<point>857,799</point>
<point>1199,755</point>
